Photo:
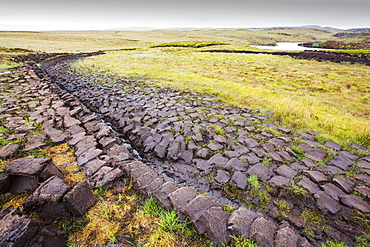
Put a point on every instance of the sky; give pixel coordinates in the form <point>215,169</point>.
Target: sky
<point>36,15</point>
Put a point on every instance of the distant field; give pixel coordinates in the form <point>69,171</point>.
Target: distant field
<point>103,40</point>
<point>329,98</point>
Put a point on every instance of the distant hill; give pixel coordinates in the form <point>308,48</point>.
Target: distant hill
<point>317,26</point>
<point>359,30</point>
<point>145,29</point>
<point>354,32</point>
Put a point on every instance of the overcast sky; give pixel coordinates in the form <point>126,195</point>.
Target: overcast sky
<point>111,14</point>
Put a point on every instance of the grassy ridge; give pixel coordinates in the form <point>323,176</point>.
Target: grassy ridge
<point>5,57</point>
<point>329,98</point>
<point>195,44</point>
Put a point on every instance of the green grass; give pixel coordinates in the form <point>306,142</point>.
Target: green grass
<point>228,208</point>
<point>331,243</point>
<point>253,181</point>
<point>362,219</point>
<point>242,241</point>
<point>218,130</point>
<point>353,171</point>
<point>297,150</point>
<point>35,153</point>
<point>103,220</point>
<point>314,221</point>
<point>187,139</point>
<point>5,130</point>
<point>68,225</point>
<point>256,191</point>
<point>166,228</point>
<point>170,222</point>
<point>5,57</point>
<point>4,142</point>
<point>6,65</point>
<point>37,131</point>
<point>296,190</point>
<point>330,99</point>
<point>283,209</point>
<point>153,208</point>
<point>266,161</point>
<point>362,241</point>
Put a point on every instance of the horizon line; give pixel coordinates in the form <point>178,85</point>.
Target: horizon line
<point>138,28</point>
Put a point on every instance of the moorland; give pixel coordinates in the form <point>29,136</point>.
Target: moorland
<point>329,98</point>
<point>325,99</point>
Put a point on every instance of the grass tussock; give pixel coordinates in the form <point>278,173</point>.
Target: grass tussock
<point>104,219</point>
<point>153,226</point>
<point>73,178</point>
<point>331,243</point>
<point>4,65</point>
<point>328,98</point>
<point>242,241</point>
<point>63,157</point>
<point>145,224</point>
<point>14,200</point>
<point>6,55</point>
<point>314,221</point>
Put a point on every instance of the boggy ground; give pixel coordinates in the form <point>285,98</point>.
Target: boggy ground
<point>236,156</point>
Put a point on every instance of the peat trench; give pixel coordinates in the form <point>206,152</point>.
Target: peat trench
<point>336,57</point>
<point>198,157</point>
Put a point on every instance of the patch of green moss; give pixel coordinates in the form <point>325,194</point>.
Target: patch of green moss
<point>242,241</point>
<point>314,221</point>
<point>363,220</point>
<point>264,198</point>
<point>296,190</point>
